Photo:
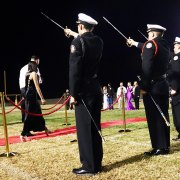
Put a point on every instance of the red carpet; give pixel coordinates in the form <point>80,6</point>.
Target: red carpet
<point>68,130</point>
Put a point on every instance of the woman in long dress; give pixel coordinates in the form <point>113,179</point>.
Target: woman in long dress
<point>33,123</point>
<point>129,105</point>
<point>105,98</point>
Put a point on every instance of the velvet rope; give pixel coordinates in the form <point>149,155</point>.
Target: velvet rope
<point>54,105</point>
<point>33,114</point>
<point>111,104</point>
<point>14,107</point>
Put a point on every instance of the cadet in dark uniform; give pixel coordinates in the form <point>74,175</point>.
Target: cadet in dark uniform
<point>85,55</point>
<point>174,83</point>
<point>155,59</point>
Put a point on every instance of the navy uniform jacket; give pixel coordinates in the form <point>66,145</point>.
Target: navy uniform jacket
<point>86,51</point>
<point>174,73</point>
<point>155,60</point>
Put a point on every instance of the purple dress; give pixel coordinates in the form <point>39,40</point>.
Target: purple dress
<point>129,105</point>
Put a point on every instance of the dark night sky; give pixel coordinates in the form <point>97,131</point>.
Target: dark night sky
<point>25,32</point>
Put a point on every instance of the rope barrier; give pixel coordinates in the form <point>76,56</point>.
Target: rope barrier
<point>17,106</point>
<point>14,107</point>
<point>111,104</point>
<point>7,153</point>
<point>54,105</point>
<point>33,114</point>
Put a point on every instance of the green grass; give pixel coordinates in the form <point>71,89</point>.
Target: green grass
<point>55,157</point>
<point>59,119</point>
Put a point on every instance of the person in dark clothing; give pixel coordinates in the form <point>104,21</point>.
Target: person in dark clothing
<point>85,54</point>
<point>33,123</point>
<point>22,79</point>
<point>110,95</point>
<point>174,83</point>
<point>136,94</point>
<point>154,86</point>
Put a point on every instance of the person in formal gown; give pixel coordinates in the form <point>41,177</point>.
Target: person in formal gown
<point>105,98</point>
<point>33,122</point>
<point>22,84</point>
<point>129,105</point>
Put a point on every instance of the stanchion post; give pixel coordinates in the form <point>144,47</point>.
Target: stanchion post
<point>124,114</point>
<point>7,154</point>
<point>5,82</point>
<point>66,120</point>
<point>65,109</point>
<point>16,101</point>
<point>123,111</point>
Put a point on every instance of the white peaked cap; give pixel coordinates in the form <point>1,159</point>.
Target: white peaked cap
<point>177,40</point>
<point>155,27</point>
<point>83,18</point>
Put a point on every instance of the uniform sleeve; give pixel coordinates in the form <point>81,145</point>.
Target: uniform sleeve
<point>148,53</point>
<point>75,67</point>
<point>140,45</point>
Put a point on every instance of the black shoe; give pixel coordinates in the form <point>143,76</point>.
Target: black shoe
<point>150,153</point>
<point>29,134</point>
<point>161,152</point>
<point>176,139</point>
<point>156,152</point>
<point>82,171</point>
<point>100,169</point>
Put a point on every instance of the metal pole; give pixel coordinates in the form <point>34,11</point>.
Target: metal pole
<point>123,111</point>
<point>16,101</point>
<point>124,114</point>
<point>7,154</point>
<point>5,82</point>
<point>66,120</point>
<point>65,110</point>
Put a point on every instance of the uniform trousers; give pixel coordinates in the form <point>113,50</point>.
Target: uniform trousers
<point>89,140</point>
<point>176,112</point>
<point>158,130</point>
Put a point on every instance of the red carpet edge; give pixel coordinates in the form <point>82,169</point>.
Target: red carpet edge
<point>68,130</point>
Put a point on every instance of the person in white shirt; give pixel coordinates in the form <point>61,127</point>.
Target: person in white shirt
<point>120,92</point>
<point>105,98</point>
<point>22,83</point>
